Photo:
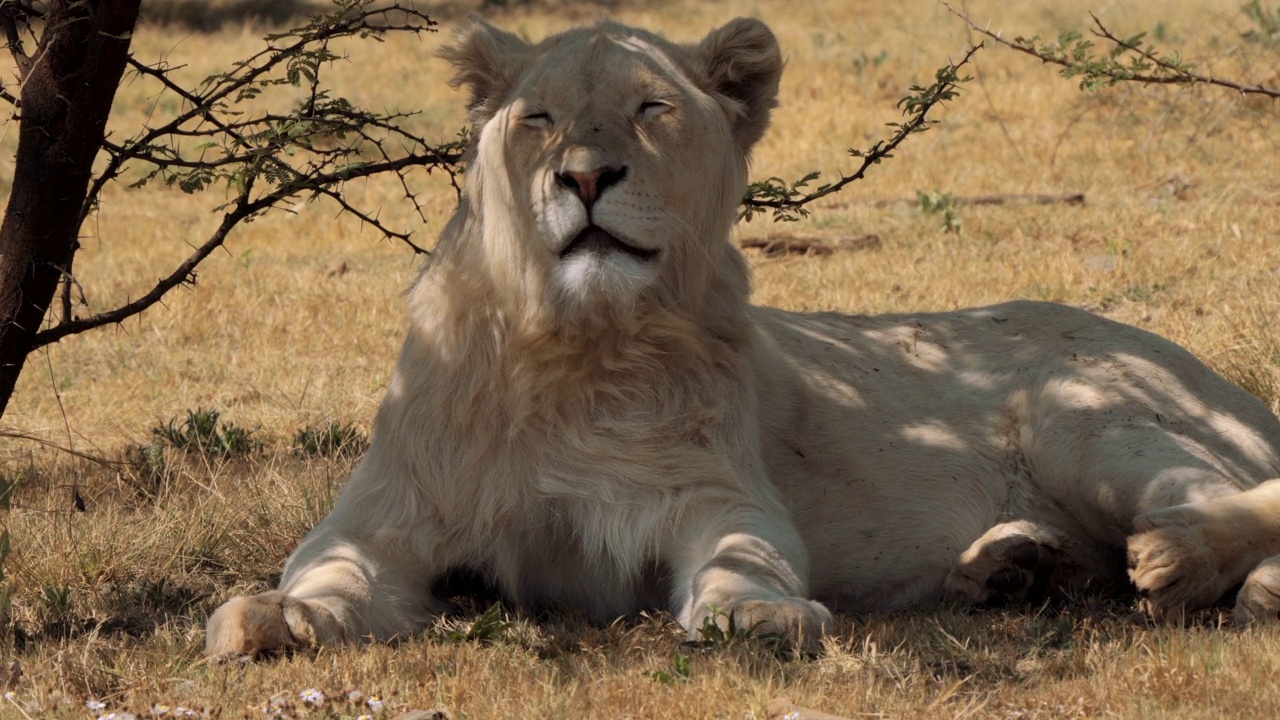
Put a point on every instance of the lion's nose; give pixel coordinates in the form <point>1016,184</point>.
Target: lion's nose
<point>589,184</point>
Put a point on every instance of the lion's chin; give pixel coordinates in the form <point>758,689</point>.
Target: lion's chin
<point>598,269</point>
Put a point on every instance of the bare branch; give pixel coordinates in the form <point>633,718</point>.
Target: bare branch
<point>371,220</point>
<point>19,435</point>
<point>185,273</point>
<point>15,16</point>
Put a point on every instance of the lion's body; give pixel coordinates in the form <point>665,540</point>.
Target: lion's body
<point>899,440</point>
<point>588,412</point>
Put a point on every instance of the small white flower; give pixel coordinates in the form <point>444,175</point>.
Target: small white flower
<point>94,705</point>
<point>793,715</point>
<point>10,696</point>
<point>364,717</point>
<point>312,696</point>
<point>375,703</point>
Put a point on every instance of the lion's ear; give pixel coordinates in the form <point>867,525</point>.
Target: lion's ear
<point>744,64</point>
<point>486,60</point>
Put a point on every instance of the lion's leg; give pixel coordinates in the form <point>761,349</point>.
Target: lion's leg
<point>1180,496</point>
<point>364,572</point>
<point>755,570</point>
<point>1259,597</point>
<point>1013,561</point>
<point>334,589</point>
<point>1186,557</point>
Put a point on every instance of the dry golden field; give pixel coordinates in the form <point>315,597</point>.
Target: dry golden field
<point>298,322</point>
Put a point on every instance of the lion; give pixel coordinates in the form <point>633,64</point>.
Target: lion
<point>588,412</point>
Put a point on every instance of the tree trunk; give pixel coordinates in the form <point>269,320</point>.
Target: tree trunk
<point>66,97</point>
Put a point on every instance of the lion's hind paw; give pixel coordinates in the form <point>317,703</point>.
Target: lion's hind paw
<point>1259,598</point>
<point>1175,570</point>
<point>1011,562</point>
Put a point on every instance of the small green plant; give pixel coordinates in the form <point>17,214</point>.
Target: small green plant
<point>195,432</point>
<point>488,628</point>
<point>56,606</point>
<point>679,672</point>
<point>330,439</point>
<point>944,204</point>
<point>715,634</point>
<point>57,601</point>
<point>235,440</point>
<point>865,61</point>
<point>149,460</point>
<point>203,432</point>
<point>1268,22</point>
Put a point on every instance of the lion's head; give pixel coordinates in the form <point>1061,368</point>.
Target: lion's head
<point>608,163</point>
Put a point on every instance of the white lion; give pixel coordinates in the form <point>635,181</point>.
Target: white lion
<point>588,412</point>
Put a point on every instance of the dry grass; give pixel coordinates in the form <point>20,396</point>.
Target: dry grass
<point>300,319</point>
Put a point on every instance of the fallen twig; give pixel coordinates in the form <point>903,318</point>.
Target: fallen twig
<point>1031,199</point>
<point>781,244</point>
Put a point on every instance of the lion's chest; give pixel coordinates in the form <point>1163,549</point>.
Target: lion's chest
<point>607,493</point>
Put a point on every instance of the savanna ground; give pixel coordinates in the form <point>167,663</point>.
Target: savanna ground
<point>115,566</point>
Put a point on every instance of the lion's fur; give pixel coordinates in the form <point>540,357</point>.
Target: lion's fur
<point>614,430</point>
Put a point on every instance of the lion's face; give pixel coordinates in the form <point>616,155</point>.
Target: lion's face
<point>609,162</point>
<point>608,181</point>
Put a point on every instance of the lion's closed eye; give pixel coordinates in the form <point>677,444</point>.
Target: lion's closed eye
<point>650,109</point>
<point>537,119</point>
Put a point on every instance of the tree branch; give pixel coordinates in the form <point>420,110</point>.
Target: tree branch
<point>267,158</point>
<point>242,207</point>
<point>247,79</point>
<point>1181,74</point>
<point>371,220</point>
<point>1073,55</point>
<point>788,202</point>
<point>184,273</point>
<point>14,16</point>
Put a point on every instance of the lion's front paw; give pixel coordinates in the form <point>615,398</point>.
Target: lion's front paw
<point>1259,598</point>
<point>1175,569</point>
<point>263,623</point>
<point>799,622</point>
